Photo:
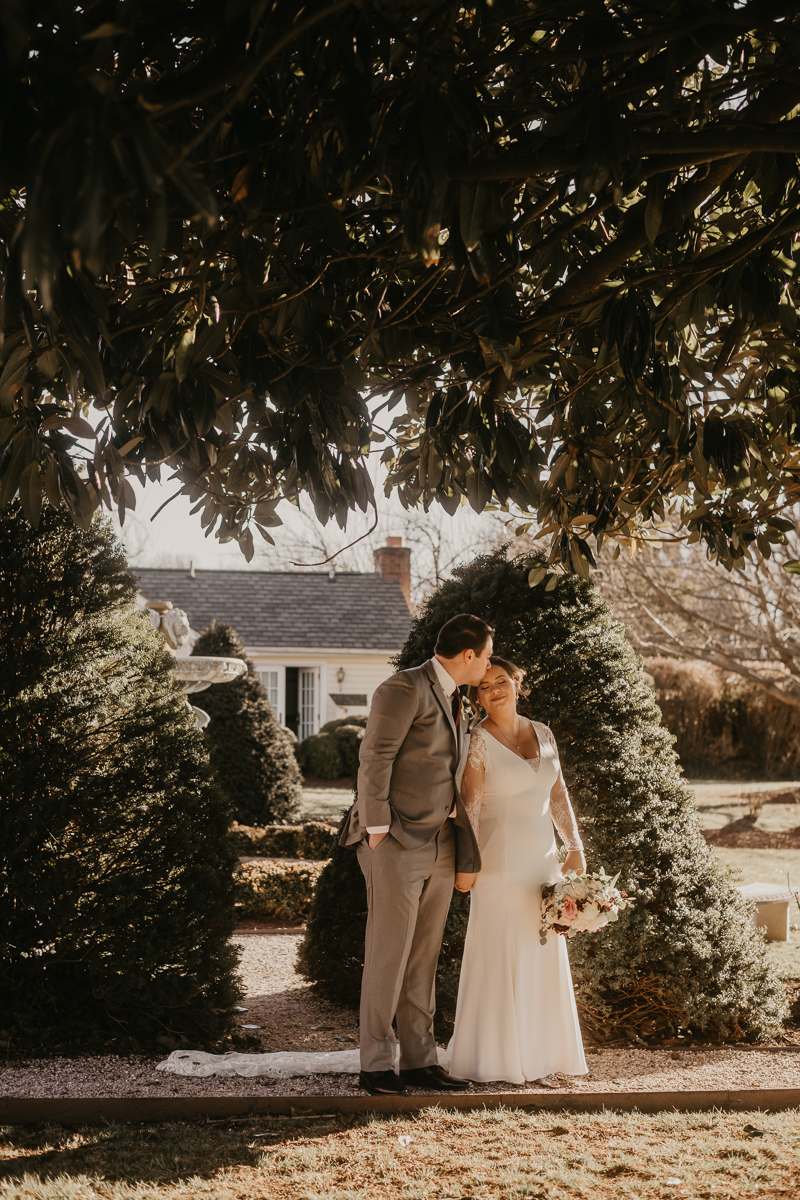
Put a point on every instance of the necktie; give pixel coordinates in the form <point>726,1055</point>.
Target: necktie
<point>456,706</point>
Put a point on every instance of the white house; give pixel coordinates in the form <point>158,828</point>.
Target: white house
<point>322,642</point>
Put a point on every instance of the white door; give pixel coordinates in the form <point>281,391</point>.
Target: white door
<point>274,680</point>
<point>308,702</point>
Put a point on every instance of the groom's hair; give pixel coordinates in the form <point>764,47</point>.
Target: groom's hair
<point>461,633</point>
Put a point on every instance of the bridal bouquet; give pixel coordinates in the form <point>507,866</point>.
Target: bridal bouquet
<point>580,904</point>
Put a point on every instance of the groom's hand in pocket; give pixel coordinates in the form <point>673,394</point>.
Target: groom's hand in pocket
<point>375,840</point>
<point>464,882</point>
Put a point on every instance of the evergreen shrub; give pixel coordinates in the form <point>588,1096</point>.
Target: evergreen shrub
<point>337,723</point>
<point>687,956</point>
<point>250,750</point>
<point>116,874</point>
<point>319,755</point>
<point>312,840</point>
<point>276,889</point>
<point>349,739</point>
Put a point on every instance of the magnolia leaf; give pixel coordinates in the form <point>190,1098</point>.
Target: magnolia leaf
<point>578,561</point>
<point>106,30</point>
<point>654,211</point>
<point>547,529</point>
<point>75,425</point>
<point>20,457</point>
<point>239,187</point>
<point>30,493</point>
<point>471,206</point>
<point>265,535</point>
<point>51,484</point>
<point>183,354</point>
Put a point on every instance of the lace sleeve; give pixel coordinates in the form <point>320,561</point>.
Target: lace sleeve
<point>471,786</point>
<point>560,807</point>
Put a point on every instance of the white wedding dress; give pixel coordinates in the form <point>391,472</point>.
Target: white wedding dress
<point>516,1018</point>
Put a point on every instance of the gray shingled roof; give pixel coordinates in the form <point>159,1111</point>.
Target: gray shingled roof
<point>289,608</point>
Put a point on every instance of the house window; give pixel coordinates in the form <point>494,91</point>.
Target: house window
<point>308,703</point>
<point>270,682</point>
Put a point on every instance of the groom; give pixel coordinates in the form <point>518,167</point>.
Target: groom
<point>409,850</point>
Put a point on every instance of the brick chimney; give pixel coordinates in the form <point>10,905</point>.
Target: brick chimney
<point>393,561</point>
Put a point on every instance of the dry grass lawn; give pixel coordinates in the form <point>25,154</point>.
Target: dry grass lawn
<point>482,1155</point>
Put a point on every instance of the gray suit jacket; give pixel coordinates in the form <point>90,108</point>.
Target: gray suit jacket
<point>408,761</point>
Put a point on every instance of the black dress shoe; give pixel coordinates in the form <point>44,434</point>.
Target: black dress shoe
<point>434,1078</point>
<point>381,1083</point>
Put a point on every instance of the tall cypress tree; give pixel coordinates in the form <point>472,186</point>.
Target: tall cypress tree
<point>686,956</point>
<point>250,751</point>
<point>116,878</point>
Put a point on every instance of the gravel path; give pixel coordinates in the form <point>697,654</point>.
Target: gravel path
<point>281,1003</point>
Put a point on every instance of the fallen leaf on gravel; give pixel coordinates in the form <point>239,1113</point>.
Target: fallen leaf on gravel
<point>322,1028</point>
<point>251,1027</point>
<point>239,1008</point>
<point>754,1131</point>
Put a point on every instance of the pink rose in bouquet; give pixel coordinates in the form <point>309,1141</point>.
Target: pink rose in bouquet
<point>580,904</point>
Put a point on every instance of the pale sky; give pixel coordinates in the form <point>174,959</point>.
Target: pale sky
<point>175,538</point>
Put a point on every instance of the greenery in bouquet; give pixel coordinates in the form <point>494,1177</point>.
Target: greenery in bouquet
<point>687,956</point>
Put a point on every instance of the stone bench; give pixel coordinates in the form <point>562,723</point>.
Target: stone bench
<point>772,908</point>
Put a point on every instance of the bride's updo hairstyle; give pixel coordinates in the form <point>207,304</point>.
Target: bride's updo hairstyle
<point>517,674</point>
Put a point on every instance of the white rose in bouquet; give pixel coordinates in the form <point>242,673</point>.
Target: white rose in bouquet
<point>579,888</point>
<point>588,916</point>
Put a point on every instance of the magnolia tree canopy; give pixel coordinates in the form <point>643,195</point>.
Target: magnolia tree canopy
<point>540,254</point>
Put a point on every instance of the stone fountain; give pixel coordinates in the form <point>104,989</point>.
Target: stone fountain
<point>193,674</point>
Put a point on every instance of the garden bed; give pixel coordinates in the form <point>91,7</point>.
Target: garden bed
<point>742,834</point>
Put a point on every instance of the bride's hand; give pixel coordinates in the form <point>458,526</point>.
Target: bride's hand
<point>574,862</point>
<point>464,882</point>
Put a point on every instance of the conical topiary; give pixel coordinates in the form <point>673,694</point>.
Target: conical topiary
<point>687,956</point>
<point>116,877</point>
<point>251,752</point>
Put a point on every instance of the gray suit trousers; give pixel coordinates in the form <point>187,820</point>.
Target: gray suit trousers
<point>409,894</point>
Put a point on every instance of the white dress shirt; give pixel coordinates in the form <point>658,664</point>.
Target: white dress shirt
<point>448,686</point>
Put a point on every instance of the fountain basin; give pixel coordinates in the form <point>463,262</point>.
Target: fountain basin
<point>197,674</point>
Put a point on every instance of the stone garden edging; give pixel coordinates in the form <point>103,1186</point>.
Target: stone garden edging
<point>17,1110</point>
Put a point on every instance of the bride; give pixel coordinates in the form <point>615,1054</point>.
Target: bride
<point>516,1018</point>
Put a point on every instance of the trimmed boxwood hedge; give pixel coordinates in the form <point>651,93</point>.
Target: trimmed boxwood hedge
<point>349,739</point>
<point>276,889</point>
<point>311,840</point>
<point>338,722</point>
<point>319,755</point>
<point>251,752</point>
